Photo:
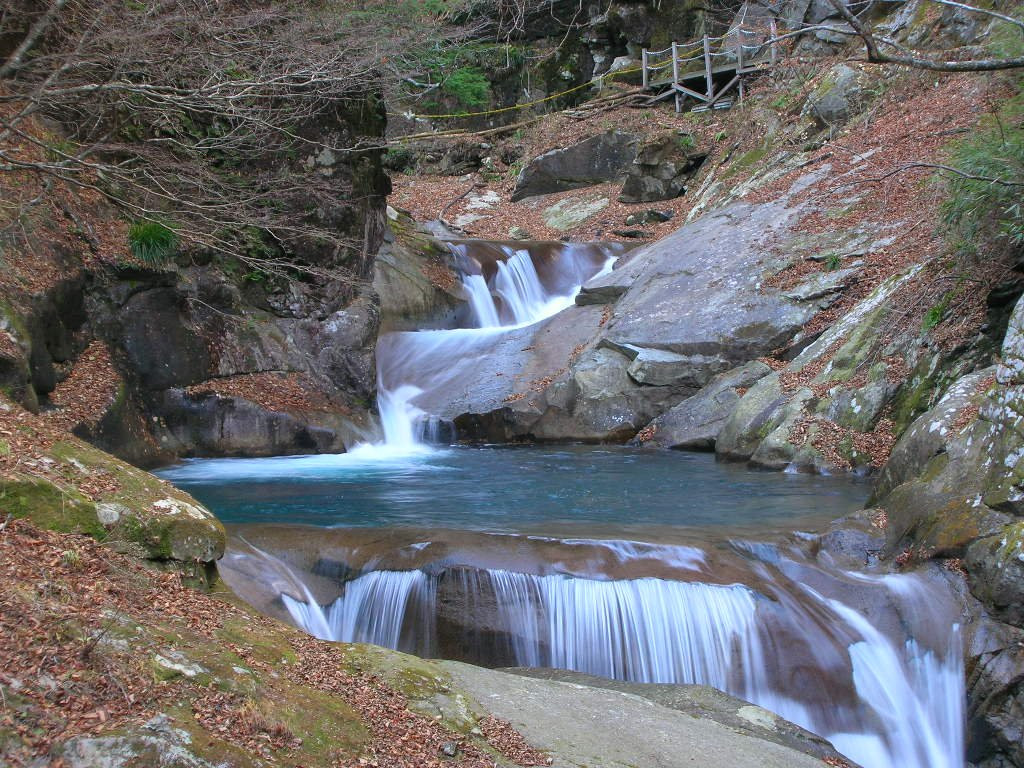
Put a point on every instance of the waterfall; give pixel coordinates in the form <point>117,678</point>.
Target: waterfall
<point>522,296</point>
<point>485,313</point>
<point>413,365</point>
<point>884,702</point>
<point>372,610</point>
<point>642,630</point>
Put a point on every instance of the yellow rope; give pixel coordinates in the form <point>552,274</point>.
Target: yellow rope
<point>516,106</point>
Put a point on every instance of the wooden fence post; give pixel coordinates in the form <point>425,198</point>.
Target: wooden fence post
<point>707,68</point>
<point>774,50</point>
<point>739,59</point>
<point>675,75</point>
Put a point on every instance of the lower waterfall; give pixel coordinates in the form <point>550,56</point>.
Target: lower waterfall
<point>882,701</point>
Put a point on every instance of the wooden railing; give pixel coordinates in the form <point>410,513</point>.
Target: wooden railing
<point>672,68</point>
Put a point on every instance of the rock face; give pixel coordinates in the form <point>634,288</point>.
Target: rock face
<point>675,315</point>
<point>694,424</point>
<point>592,161</point>
<point>661,170</point>
<point>619,726</point>
<point>566,214</point>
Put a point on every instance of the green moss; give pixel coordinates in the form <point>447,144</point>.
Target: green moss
<point>269,647</point>
<point>325,723</point>
<point>49,506</point>
<point>745,161</point>
<point>915,397</point>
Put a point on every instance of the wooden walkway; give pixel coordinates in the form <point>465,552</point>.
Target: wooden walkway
<point>695,70</point>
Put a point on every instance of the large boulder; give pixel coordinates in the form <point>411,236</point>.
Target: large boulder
<point>662,168</point>
<point>601,158</point>
<point>694,424</point>
<point>841,92</point>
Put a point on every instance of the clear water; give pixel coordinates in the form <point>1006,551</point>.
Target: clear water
<point>515,489</point>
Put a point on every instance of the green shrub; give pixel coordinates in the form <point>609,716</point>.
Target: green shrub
<point>986,210</point>
<point>152,242</point>
<point>469,86</point>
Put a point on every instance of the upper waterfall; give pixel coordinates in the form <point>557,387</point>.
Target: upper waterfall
<point>507,286</point>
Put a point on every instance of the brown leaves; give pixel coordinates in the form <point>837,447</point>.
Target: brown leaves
<point>509,742</point>
<point>440,275</point>
<point>275,391</point>
<point>646,433</point>
<point>89,389</point>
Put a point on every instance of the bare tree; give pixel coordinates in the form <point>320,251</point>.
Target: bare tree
<point>220,118</point>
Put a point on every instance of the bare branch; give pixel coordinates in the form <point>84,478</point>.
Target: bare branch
<point>876,55</point>
<point>37,30</point>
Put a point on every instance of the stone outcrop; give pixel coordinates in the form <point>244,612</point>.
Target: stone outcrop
<point>694,424</point>
<point>662,168</point>
<point>604,157</point>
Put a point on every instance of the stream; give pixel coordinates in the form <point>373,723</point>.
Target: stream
<point>636,565</point>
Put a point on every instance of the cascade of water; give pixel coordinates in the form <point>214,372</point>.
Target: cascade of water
<point>485,313</point>
<point>412,364</point>
<point>907,701</point>
<point>643,630</point>
<point>518,285</point>
<point>372,610</point>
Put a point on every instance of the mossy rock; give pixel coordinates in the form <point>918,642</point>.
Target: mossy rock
<point>49,506</point>
<point>995,566</point>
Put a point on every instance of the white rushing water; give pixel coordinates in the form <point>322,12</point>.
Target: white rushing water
<point>416,364</point>
<point>903,705</point>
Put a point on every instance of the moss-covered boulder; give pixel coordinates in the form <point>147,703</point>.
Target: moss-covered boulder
<point>63,484</point>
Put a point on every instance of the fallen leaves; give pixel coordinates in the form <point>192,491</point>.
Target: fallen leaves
<point>88,391</point>
<point>646,433</point>
<point>284,392</point>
